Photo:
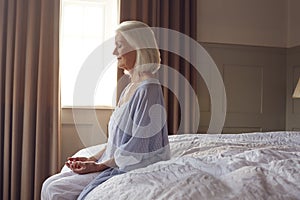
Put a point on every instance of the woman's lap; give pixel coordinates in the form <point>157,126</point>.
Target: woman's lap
<point>102,177</point>
<point>67,185</point>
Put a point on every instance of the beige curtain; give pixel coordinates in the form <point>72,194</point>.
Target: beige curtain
<point>179,15</point>
<point>29,95</point>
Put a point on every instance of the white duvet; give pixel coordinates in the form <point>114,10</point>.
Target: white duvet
<point>243,166</point>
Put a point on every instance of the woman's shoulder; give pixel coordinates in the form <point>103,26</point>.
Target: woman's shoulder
<point>150,87</point>
<point>149,83</point>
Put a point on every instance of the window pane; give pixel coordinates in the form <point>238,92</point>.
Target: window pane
<point>84,26</point>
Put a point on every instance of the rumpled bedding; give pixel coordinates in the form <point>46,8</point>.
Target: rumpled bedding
<point>214,166</point>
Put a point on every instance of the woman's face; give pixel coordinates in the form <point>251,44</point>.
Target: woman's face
<point>126,55</point>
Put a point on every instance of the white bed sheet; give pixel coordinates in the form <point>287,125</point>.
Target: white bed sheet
<point>206,166</point>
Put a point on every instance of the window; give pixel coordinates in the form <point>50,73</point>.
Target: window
<point>86,24</point>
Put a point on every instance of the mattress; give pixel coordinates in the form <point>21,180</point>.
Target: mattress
<point>215,166</point>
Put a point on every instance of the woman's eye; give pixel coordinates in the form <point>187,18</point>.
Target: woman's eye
<point>118,45</point>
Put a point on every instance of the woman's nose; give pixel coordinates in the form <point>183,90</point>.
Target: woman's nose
<point>115,52</point>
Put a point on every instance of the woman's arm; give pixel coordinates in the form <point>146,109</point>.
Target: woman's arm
<point>97,155</point>
<point>109,163</point>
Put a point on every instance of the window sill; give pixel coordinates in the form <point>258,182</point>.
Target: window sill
<point>88,107</point>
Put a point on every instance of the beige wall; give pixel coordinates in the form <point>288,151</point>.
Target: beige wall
<point>90,129</point>
<point>293,74</point>
<point>255,84</point>
<point>273,23</point>
<point>293,65</point>
<point>244,23</point>
<point>247,22</point>
<point>293,23</point>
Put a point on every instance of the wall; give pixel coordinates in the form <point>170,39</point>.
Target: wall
<point>293,66</point>
<point>87,123</point>
<point>254,79</point>
<point>255,22</point>
<point>247,40</point>
<point>293,74</point>
<point>248,27</point>
<point>293,25</point>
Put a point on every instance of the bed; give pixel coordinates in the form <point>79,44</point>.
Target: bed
<point>214,166</point>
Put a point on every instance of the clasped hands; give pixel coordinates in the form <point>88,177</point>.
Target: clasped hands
<point>83,165</point>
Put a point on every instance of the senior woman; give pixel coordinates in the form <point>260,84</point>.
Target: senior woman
<point>137,128</point>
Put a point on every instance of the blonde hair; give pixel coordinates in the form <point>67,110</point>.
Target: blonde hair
<point>141,38</point>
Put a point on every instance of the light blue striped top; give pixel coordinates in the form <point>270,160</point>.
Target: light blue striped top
<point>138,134</point>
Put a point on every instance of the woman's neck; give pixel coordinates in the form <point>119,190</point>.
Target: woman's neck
<point>139,77</point>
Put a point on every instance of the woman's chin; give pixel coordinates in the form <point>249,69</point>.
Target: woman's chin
<point>126,71</point>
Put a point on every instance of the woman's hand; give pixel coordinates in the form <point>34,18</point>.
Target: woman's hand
<point>85,167</point>
<point>71,160</point>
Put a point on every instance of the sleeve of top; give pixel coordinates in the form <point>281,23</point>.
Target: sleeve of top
<point>144,139</point>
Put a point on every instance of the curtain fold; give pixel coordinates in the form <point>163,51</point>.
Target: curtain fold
<point>29,96</point>
<point>178,15</point>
